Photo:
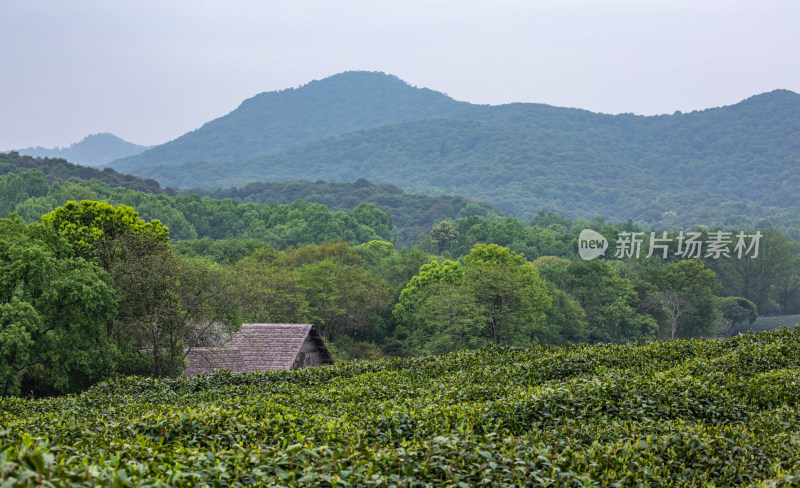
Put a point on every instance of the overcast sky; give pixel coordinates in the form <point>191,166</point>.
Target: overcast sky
<point>149,71</point>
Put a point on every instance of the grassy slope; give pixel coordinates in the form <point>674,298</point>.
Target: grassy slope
<point>671,413</point>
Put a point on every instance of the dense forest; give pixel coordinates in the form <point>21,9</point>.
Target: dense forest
<point>92,284</point>
<point>412,215</point>
<point>59,169</point>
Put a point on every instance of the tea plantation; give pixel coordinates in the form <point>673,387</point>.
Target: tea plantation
<point>671,413</point>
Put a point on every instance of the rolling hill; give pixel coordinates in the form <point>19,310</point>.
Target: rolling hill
<point>271,122</point>
<point>729,166</point>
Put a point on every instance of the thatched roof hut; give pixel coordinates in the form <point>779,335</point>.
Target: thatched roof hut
<point>261,347</point>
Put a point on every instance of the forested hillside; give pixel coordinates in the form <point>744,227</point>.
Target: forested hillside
<point>33,186</point>
<point>270,122</point>
<point>60,169</point>
<point>685,169</point>
<point>93,150</point>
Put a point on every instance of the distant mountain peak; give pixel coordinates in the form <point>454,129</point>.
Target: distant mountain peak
<point>779,96</point>
<point>271,122</point>
<point>92,150</point>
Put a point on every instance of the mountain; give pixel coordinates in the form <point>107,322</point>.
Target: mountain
<point>527,157</point>
<point>682,169</point>
<point>93,150</point>
<point>274,121</point>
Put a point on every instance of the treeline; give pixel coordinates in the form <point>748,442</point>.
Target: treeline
<point>191,216</point>
<point>412,215</point>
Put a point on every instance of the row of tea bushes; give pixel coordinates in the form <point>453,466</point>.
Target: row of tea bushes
<point>670,413</point>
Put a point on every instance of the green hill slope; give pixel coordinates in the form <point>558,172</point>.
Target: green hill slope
<point>61,169</point>
<point>270,122</point>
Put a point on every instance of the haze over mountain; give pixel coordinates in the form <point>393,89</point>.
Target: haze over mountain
<point>679,170</point>
<point>93,150</point>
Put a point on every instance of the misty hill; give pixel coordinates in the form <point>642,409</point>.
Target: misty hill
<point>274,121</point>
<point>693,168</point>
<point>93,150</point>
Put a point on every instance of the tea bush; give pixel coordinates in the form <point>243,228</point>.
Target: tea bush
<point>670,413</point>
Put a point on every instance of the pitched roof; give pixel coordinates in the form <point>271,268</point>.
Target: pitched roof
<point>260,347</point>
<point>270,346</point>
<point>207,359</point>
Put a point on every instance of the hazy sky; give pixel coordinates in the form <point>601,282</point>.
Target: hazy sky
<point>149,71</point>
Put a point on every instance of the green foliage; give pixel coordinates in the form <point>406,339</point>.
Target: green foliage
<point>496,297</point>
<point>59,169</point>
<point>735,310</point>
<point>192,216</point>
<point>668,413</point>
<point>93,228</point>
<point>514,296</point>
<point>54,310</point>
<point>412,215</point>
<point>609,298</point>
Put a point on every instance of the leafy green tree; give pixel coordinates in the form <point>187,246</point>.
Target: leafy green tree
<point>565,317</point>
<point>442,234</point>
<point>54,309</point>
<point>450,318</point>
<point>416,292</point>
<point>610,302</point>
<point>513,294</point>
<point>343,297</point>
<point>736,310</point>
<point>690,291</point>
<point>761,279</point>
<point>95,228</point>
<point>170,304</point>
<point>270,293</point>
<point>373,218</point>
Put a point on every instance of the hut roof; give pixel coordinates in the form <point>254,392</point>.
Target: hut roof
<point>259,347</point>
<point>270,346</point>
<point>207,359</point>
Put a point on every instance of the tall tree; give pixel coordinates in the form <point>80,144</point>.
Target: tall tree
<point>53,313</point>
<point>513,294</point>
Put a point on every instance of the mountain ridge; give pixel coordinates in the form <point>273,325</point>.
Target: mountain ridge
<point>336,105</point>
